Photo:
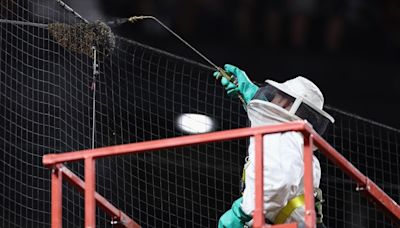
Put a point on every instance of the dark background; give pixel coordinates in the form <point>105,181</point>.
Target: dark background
<point>349,48</point>
<point>46,105</point>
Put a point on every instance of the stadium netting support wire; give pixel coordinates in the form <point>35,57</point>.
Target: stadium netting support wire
<point>46,105</point>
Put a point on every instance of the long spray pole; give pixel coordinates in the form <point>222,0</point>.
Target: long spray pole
<point>219,69</point>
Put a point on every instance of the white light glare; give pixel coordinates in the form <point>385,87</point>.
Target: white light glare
<point>193,123</point>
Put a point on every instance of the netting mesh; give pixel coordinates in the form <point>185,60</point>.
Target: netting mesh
<point>47,93</point>
<point>373,149</point>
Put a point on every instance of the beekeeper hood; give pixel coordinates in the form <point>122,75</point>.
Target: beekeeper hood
<point>297,98</point>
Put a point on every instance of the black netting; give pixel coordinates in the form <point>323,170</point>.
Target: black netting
<point>46,106</point>
<point>373,149</point>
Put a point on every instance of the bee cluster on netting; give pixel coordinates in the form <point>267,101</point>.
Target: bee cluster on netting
<point>82,37</point>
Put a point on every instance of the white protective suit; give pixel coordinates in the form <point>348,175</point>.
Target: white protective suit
<point>283,157</point>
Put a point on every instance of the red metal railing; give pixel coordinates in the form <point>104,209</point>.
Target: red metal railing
<point>59,172</point>
<point>54,161</point>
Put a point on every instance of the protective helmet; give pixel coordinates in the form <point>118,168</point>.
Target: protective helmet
<point>300,97</point>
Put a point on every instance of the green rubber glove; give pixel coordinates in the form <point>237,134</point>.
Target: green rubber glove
<point>244,85</point>
<point>235,217</point>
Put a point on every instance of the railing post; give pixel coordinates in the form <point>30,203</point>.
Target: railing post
<point>308,182</point>
<point>90,186</point>
<point>56,197</point>
<point>258,214</point>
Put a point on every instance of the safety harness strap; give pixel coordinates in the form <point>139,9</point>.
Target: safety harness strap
<point>285,212</point>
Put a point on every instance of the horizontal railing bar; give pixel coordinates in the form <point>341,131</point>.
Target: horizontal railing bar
<point>51,159</point>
